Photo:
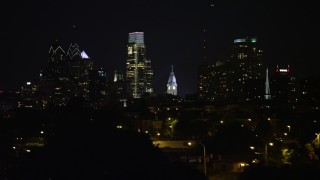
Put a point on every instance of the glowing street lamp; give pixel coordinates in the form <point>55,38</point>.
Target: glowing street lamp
<point>289,127</point>
<point>171,123</point>
<point>266,152</point>
<point>204,159</point>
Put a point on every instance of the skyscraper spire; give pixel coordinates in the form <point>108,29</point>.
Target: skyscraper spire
<point>267,95</point>
<point>172,86</point>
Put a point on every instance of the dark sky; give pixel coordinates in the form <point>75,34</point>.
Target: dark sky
<point>287,32</point>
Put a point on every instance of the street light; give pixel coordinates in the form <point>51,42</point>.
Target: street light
<point>289,127</point>
<point>266,152</point>
<point>171,127</point>
<point>204,159</point>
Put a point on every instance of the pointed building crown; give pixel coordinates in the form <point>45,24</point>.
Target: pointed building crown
<point>56,48</point>
<point>73,51</point>
<point>84,55</point>
<point>172,79</point>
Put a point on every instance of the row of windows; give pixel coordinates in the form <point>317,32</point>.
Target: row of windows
<point>173,88</point>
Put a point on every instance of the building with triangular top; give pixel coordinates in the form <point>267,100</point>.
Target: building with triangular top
<point>172,86</point>
<point>67,74</point>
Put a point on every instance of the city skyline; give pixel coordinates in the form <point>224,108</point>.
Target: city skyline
<point>173,35</point>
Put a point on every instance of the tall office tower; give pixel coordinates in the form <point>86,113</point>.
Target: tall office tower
<point>66,76</point>
<point>80,65</point>
<point>310,91</point>
<point>56,63</point>
<point>138,71</point>
<point>75,68</point>
<point>98,94</point>
<point>247,54</point>
<point>284,86</point>
<point>267,95</point>
<point>55,77</point>
<point>172,86</point>
<point>215,81</point>
<point>205,82</point>
<point>117,86</point>
<point>246,58</point>
<point>88,66</point>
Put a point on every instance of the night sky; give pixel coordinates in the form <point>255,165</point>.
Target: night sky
<point>173,30</point>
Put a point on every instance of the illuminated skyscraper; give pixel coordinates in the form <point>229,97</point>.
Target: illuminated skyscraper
<point>67,75</point>
<point>55,80</point>
<point>284,86</point>
<point>117,86</point>
<point>240,78</point>
<point>246,60</point>
<point>56,64</point>
<point>248,56</point>
<point>205,82</point>
<point>97,87</point>
<point>172,86</point>
<point>215,81</point>
<point>80,65</point>
<point>138,71</point>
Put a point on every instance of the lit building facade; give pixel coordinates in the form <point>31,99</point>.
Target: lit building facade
<point>67,75</point>
<point>55,81</point>
<point>205,82</point>
<point>247,62</point>
<point>216,81</point>
<point>310,91</point>
<point>247,55</point>
<point>31,97</point>
<point>57,65</point>
<point>172,86</point>
<point>80,65</point>
<point>239,79</point>
<point>98,94</point>
<point>284,86</point>
<point>138,68</point>
<point>117,86</point>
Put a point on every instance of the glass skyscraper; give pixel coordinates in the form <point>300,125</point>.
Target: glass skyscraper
<point>138,68</point>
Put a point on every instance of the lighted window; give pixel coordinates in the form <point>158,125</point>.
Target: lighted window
<point>168,87</point>
<point>174,87</point>
<point>129,50</point>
